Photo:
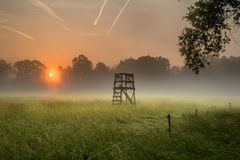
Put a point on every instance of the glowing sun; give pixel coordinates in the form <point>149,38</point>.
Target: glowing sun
<point>50,74</point>
<point>53,76</point>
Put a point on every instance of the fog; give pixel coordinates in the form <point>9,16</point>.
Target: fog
<point>154,76</point>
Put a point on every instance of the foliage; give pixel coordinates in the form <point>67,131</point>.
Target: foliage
<point>210,22</point>
<point>5,72</point>
<point>82,67</point>
<point>145,66</point>
<point>101,68</point>
<point>28,72</point>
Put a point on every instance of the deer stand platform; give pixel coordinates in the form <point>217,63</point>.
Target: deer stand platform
<point>124,89</point>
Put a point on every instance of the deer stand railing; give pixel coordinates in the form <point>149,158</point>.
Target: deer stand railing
<point>124,89</point>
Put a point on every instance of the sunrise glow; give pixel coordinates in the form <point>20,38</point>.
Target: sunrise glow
<point>50,74</point>
<point>53,76</point>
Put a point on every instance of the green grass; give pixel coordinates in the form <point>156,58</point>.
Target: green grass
<point>40,128</point>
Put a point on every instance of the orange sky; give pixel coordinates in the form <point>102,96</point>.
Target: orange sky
<point>56,31</point>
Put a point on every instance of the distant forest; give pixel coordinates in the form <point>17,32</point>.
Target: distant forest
<point>152,75</point>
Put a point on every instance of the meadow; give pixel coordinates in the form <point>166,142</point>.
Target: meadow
<point>58,128</point>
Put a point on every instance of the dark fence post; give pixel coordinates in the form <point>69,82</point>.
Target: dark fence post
<point>169,122</point>
<point>230,105</point>
<point>196,112</point>
<point>85,157</point>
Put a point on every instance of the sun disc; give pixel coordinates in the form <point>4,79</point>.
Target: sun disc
<point>50,74</point>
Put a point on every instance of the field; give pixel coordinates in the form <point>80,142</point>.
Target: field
<point>58,128</point>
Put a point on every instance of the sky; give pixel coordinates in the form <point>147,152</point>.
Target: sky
<point>55,31</point>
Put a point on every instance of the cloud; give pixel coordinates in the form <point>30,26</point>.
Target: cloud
<point>118,16</point>
<point>89,34</point>
<point>4,17</point>
<point>16,31</point>
<point>44,7</point>
<point>100,13</point>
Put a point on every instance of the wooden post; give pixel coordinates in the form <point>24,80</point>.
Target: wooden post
<point>230,105</point>
<point>169,123</point>
<point>85,157</point>
<point>196,112</point>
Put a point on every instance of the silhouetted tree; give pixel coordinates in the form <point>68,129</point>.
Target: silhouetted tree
<point>102,72</point>
<point>29,72</point>
<point>175,70</point>
<point>5,72</point>
<point>145,67</point>
<point>100,80</point>
<point>82,68</point>
<point>210,21</point>
<point>101,69</point>
<point>127,65</point>
<point>225,68</point>
<point>153,65</point>
<point>68,74</point>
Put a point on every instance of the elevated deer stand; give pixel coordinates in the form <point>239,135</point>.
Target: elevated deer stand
<point>124,89</point>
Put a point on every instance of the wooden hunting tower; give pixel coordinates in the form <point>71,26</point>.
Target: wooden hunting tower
<point>124,89</point>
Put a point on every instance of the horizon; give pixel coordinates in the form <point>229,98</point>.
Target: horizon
<point>154,77</point>
<point>54,67</point>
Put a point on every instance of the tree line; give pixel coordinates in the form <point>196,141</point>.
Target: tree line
<point>28,75</point>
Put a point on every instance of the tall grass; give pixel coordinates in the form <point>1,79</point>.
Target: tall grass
<point>42,128</point>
